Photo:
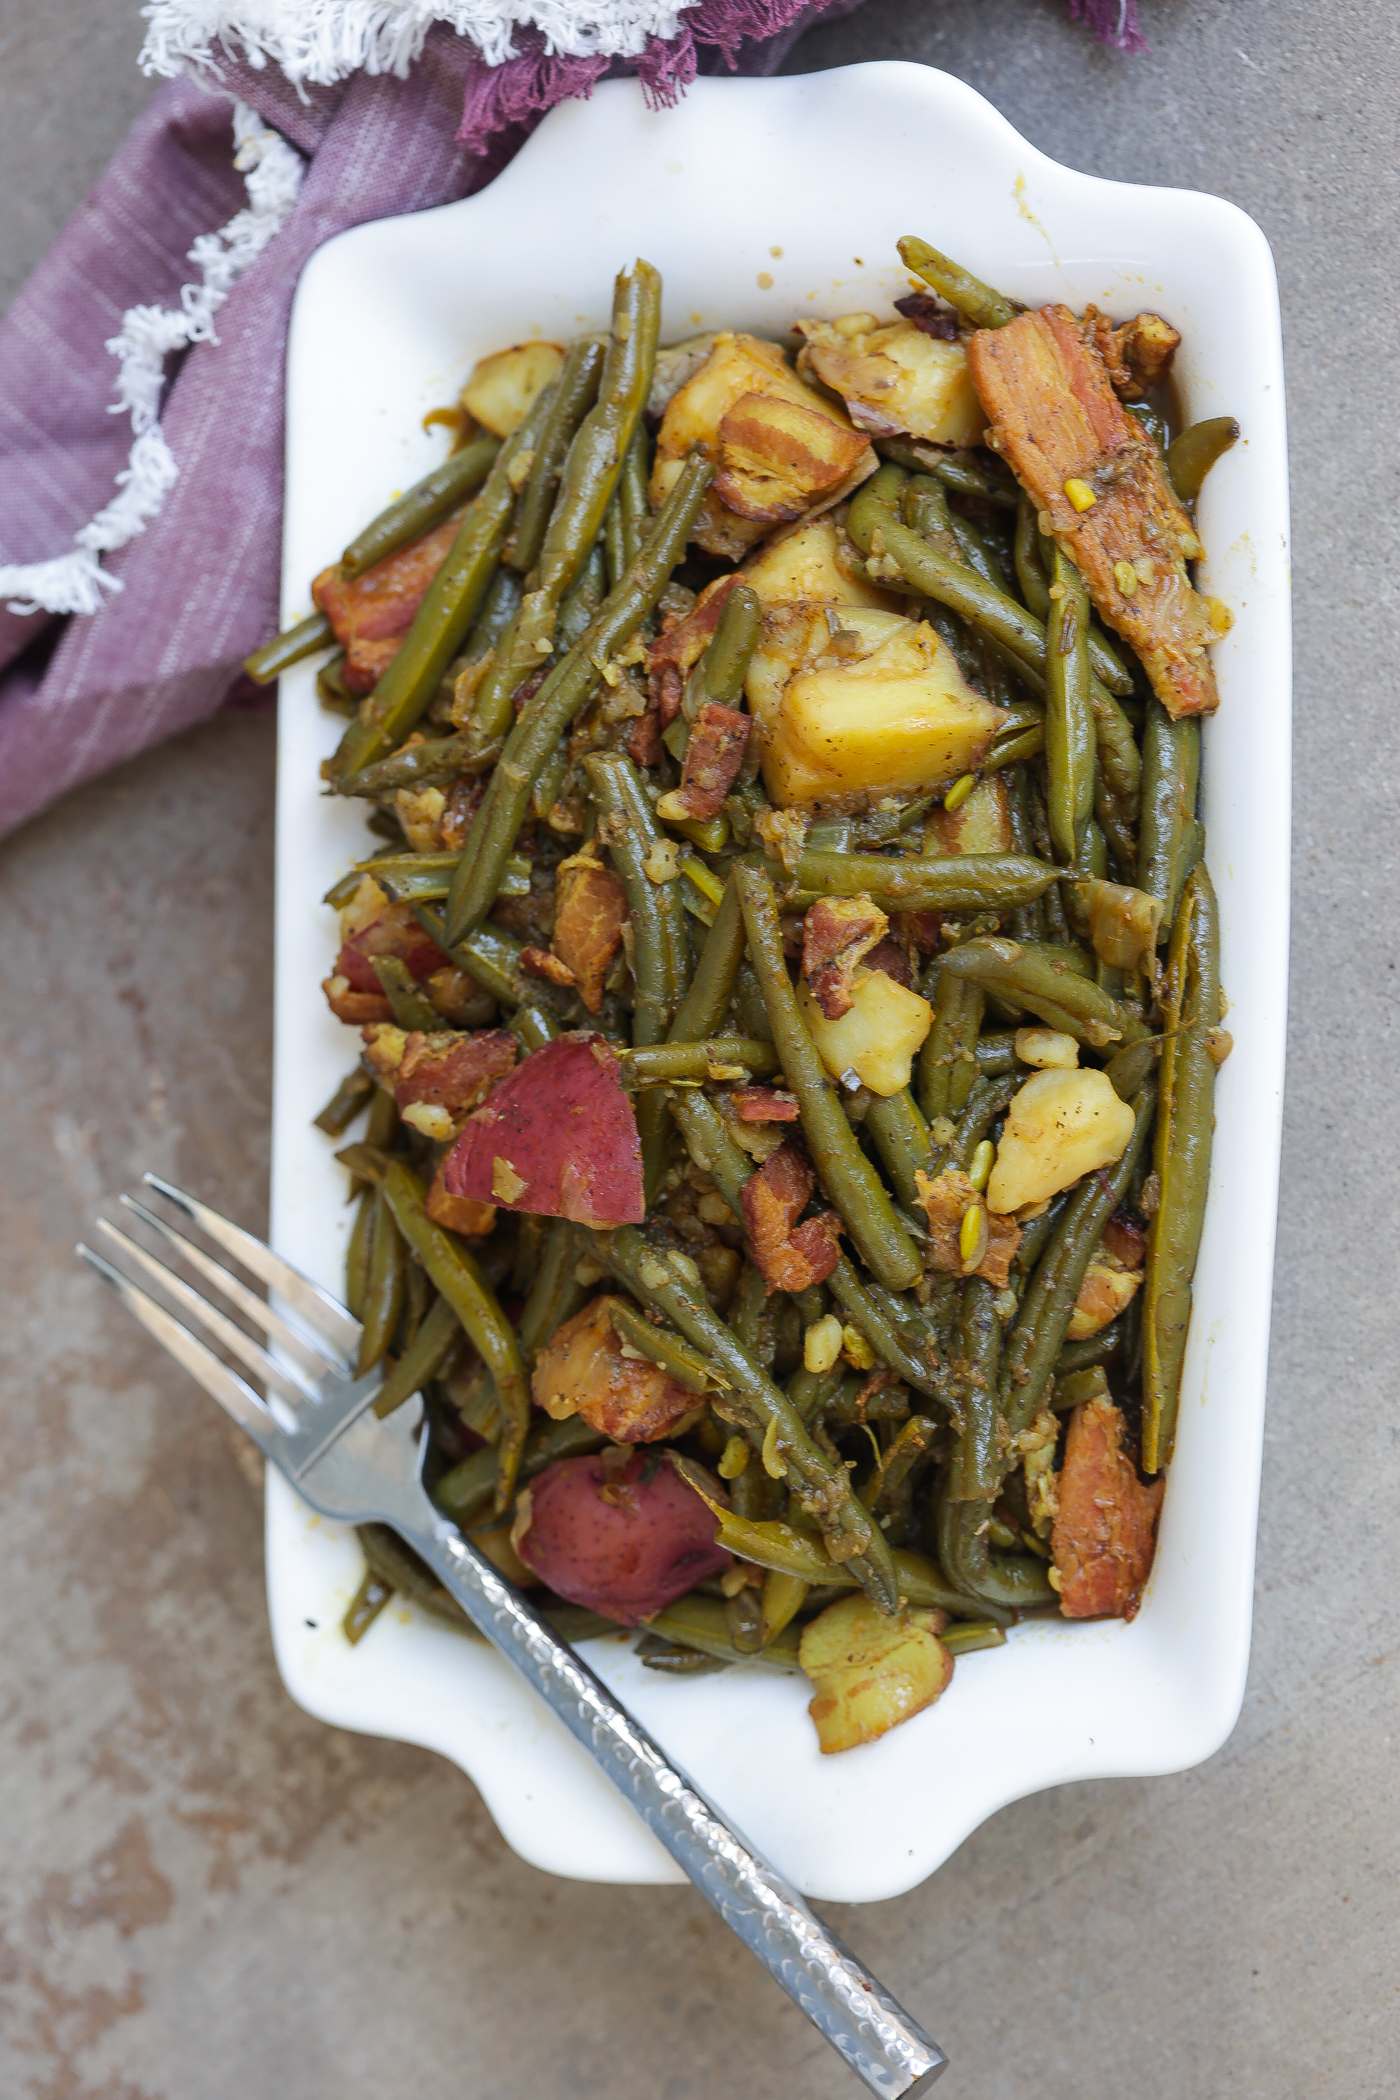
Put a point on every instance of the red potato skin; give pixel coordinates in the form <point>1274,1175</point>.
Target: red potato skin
<point>624,1541</point>
<point>371,615</point>
<point>561,1125</point>
<point>394,932</point>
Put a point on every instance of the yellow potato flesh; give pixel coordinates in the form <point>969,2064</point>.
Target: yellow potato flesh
<point>894,378</point>
<point>1104,1293</point>
<point>1058,1128</point>
<point>806,563</point>
<point>871,1671</point>
<point>981,824</point>
<point>878,1039</point>
<point>800,637</point>
<point>897,720</point>
<point>502,388</point>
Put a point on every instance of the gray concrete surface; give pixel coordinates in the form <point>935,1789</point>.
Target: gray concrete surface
<point>207,1895</point>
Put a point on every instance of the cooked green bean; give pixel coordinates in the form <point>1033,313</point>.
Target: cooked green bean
<point>573,397</point>
<point>1098,1348</point>
<point>1171,767</point>
<point>464,1491</point>
<point>425,1356</point>
<point>1024,975</point>
<point>702,1011</point>
<point>1191,456</point>
<point>996,1054</point>
<point>288,648</point>
<point>365,1606</point>
<point>928,882</point>
<point>419,509</point>
<point>725,663</point>
<point>1015,1581</point>
<point>975,301</point>
<point>433,763</point>
<point>546,717</point>
<point>411,1008</point>
<point>847,1175</point>
<point>458,1277</point>
<point>971,1635</point>
<point>1069,714</point>
<point>699,1622</point>
<point>687,1366</point>
<point>902,1141</point>
<point>948,1060</point>
<point>664,1062</point>
<point>357,1255</point>
<point>1030,558</point>
<point>1185,1128</point>
<point>449,606</point>
<point>384,1297</point>
<point>347,1102</point>
<point>596,457</point>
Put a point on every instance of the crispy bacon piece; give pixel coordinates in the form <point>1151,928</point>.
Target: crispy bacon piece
<point>558,1138</point>
<point>789,1256</point>
<point>681,647</point>
<point>352,1006</point>
<point>763,1104</point>
<point>777,457</point>
<point>1058,420</point>
<point>581,1370</point>
<point>623,1540</point>
<point>924,929</point>
<point>542,962</point>
<point>452,1071</point>
<point>590,913</point>
<point>888,956</point>
<point>1105,1532</point>
<point>719,737</point>
<point>946,1202</point>
<point>460,1214</point>
<point>372,614</point>
<point>394,931</point>
<point>836,933</point>
<point>1125,1240</point>
<point>928,316</point>
<point>1138,355</point>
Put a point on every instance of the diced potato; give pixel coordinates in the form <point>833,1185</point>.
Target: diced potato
<point>871,1671</point>
<point>813,561</point>
<point>737,365</point>
<point>501,388</point>
<point>892,721</point>
<point>894,379</point>
<point>798,636</point>
<point>880,1036</point>
<point>1059,1127</point>
<point>1047,1049</point>
<point>776,458</point>
<point>1104,1293</point>
<point>675,364</point>
<point>981,824</point>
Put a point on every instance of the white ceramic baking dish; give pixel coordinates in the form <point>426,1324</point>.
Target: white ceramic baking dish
<point>760,201</point>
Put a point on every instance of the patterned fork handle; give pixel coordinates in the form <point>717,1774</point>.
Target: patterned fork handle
<point>841,1998</point>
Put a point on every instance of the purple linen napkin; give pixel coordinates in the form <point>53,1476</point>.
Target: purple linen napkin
<point>199,586</point>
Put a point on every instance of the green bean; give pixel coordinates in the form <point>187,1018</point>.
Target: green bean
<point>460,1280</point>
<point>1013,1581</point>
<point>491,956</point>
<point>672,1661</point>
<point>753,1318</point>
<point>686,1366</point>
<point>811,1391</point>
<point>449,607</point>
<point>902,1141</point>
<point>533,1026</point>
<point>821,1483</point>
<point>966,294</point>
<point>614,540</point>
<point>569,684</point>
<point>580,605</point>
<point>965,477</point>
<point>289,648</point>
<point>464,1491</point>
<point>1191,456</point>
<point>1069,715</point>
<point>663,1062</point>
<point>976,1465</point>
<point>1033,1344</point>
<point>849,1179</point>
<point>357,1254</point>
<point>725,664</point>
<point>928,882</point>
<point>973,1634</point>
<point>417,1291</point>
<point>699,1622</point>
<point>597,453</point>
<point>365,1606</point>
<point>871,1310</point>
<point>411,1008</point>
<point>498,609</point>
<point>413,878</point>
<point>1126,1072</point>
<point>1025,975</point>
<point>1036,1232</point>
<point>1152,421</point>
<point>433,763</point>
<point>889,1485</point>
<point>948,1060</point>
<point>743,1618</point>
<point>632,493</point>
<point>573,397</point>
<point>349,1098</point>
<point>415,513</point>
<point>996,1054</point>
<point>555,1294</point>
<point>1030,558</point>
<point>701,1013</point>
<point>989,1099</point>
<point>782,1598</point>
<point>425,1356</point>
<point>1097,1348</point>
<point>1074,1387</point>
<point>1181,1159</point>
<point>1171,766</point>
<point>384,1297</point>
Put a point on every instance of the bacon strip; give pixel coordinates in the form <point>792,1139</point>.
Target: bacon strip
<point>719,737</point>
<point>1105,1532</point>
<point>372,614</point>
<point>590,913</point>
<point>1056,419</point>
<point>946,1201</point>
<point>788,1256</point>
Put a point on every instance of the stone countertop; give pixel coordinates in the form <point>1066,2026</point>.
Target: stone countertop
<point>209,1895</point>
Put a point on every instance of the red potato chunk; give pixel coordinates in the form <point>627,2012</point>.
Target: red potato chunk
<point>371,614</point>
<point>1105,1532</point>
<point>582,1371</point>
<point>394,931</point>
<point>558,1138</point>
<point>789,1256</point>
<point>622,1540</point>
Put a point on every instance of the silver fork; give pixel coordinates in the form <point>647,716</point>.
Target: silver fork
<point>318,1427</point>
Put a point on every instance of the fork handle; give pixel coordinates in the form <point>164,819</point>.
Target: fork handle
<point>841,1998</point>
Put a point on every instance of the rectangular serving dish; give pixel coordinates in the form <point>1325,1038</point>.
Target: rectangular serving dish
<point>748,199</point>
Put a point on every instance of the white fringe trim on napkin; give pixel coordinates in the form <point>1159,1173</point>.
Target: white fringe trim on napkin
<point>74,582</point>
<point>322,41</point>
